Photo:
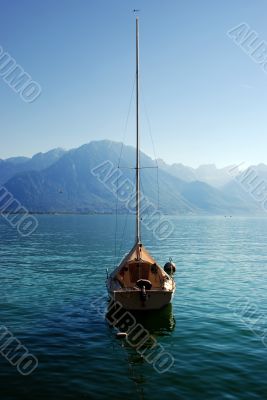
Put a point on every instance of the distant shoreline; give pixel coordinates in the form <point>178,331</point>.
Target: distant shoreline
<point>114,213</point>
<point>58,213</point>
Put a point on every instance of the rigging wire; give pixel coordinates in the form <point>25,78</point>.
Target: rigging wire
<point>153,146</point>
<point>123,240</point>
<point>127,120</point>
<point>123,237</point>
<point>116,220</point>
<point>142,193</point>
<point>119,161</point>
<point>123,233</point>
<point>149,124</point>
<point>117,252</point>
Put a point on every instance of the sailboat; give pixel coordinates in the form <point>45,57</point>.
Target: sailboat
<point>139,282</point>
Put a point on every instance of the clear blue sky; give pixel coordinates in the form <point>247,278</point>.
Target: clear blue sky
<point>206,99</point>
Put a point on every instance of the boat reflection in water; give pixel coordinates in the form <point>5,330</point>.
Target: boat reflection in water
<point>140,332</point>
<point>156,322</point>
<point>152,354</point>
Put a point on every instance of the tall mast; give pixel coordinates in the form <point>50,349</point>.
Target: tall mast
<point>138,237</point>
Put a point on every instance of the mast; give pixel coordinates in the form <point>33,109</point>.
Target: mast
<point>138,237</point>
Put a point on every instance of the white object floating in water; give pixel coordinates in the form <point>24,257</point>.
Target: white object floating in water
<point>121,335</point>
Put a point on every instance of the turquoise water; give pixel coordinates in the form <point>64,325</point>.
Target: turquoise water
<point>50,280</point>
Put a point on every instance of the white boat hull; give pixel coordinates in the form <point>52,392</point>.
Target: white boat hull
<point>131,299</point>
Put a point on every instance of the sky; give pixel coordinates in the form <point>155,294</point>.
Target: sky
<point>203,98</point>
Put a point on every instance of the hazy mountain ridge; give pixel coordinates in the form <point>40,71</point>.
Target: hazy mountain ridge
<point>61,181</point>
<point>207,173</point>
<point>13,165</point>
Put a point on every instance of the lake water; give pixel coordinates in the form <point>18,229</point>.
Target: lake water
<point>50,280</point>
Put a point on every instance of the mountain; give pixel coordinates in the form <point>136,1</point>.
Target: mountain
<point>11,166</point>
<point>17,160</point>
<point>69,185</point>
<point>249,187</point>
<point>179,170</point>
<point>210,174</point>
<point>86,180</point>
